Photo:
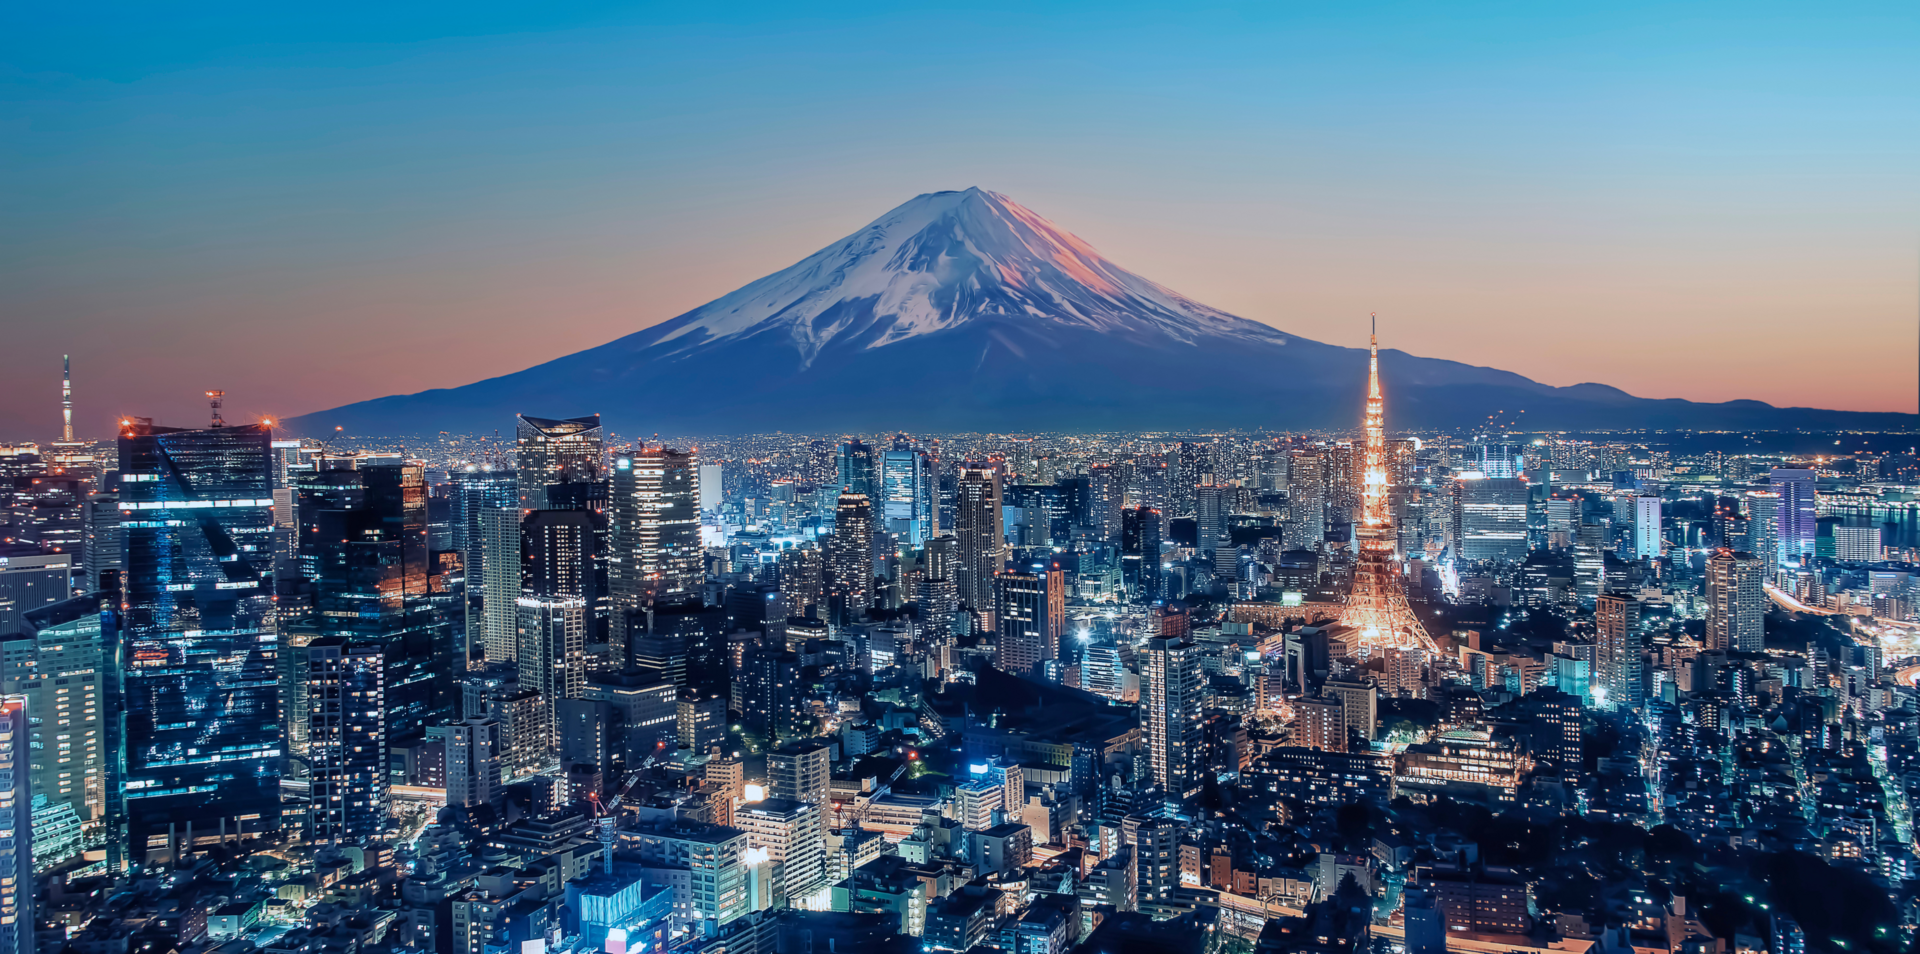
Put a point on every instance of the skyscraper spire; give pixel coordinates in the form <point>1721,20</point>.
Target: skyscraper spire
<point>1377,605</point>
<point>66,398</point>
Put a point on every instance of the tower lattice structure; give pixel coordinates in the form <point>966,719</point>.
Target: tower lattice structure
<point>1377,605</point>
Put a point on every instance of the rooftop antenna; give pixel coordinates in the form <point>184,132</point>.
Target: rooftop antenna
<point>66,399</point>
<point>213,400</point>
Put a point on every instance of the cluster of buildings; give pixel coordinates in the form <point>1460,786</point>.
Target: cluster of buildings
<point>1027,694</point>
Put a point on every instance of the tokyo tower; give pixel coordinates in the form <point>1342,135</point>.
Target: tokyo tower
<point>1377,606</point>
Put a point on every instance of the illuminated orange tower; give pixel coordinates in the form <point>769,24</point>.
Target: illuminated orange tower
<point>1377,607</point>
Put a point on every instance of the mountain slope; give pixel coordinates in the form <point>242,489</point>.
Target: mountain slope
<point>966,311</point>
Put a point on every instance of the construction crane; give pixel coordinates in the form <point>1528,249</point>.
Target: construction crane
<point>604,824</point>
<point>860,811</point>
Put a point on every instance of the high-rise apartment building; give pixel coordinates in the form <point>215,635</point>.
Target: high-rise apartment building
<point>17,921</point>
<point>199,647</point>
<point>801,770</point>
<point>1306,523</point>
<point>1320,722</point>
<point>1763,526</point>
<point>850,554</point>
<point>1736,601</point>
<point>549,452</point>
<point>1618,647</point>
<point>980,535</point>
<point>1106,497</point>
<point>472,749</point>
<point>1030,609</point>
<point>552,640</point>
<point>1212,506</point>
<point>1140,553</point>
<point>346,740</point>
<point>1192,464</point>
<point>793,835</point>
<point>1170,707</point>
<point>1796,520</point>
<point>1359,706</point>
<point>499,578</point>
<point>58,665</point>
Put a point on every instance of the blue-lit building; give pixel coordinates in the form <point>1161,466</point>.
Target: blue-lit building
<point>853,465</point>
<point>619,910</point>
<point>363,543</point>
<point>202,698</point>
<point>907,495</point>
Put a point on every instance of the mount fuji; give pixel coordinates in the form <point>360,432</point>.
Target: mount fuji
<point>965,311</point>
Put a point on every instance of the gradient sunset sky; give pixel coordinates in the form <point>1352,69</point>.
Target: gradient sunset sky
<point>313,206</point>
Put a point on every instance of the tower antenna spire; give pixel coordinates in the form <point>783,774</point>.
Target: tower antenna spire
<point>213,399</point>
<point>66,398</point>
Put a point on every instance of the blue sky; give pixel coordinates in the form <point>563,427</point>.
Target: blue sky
<point>308,207</point>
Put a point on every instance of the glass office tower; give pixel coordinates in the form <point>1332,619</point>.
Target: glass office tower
<point>202,700</point>
<point>363,537</point>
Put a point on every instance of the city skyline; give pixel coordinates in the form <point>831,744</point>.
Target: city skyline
<point>1577,197</point>
<point>1074,478</point>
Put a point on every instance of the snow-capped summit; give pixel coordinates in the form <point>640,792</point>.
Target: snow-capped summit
<point>966,311</point>
<point>938,261</point>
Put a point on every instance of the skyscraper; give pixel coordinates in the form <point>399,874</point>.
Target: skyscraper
<point>17,921</point>
<point>474,490</point>
<point>1377,605</point>
<point>1140,553</point>
<point>1306,501</point>
<point>472,749</point>
<point>346,740</point>
<point>558,550</point>
<point>907,495</point>
<point>1763,526</point>
<point>1646,528</point>
<point>853,465</point>
<point>553,655</point>
<point>654,537</point>
<point>982,541</point>
<point>200,673</point>
<point>1796,519</point>
<point>499,578</point>
<point>1031,611</point>
<point>363,543</point>
<point>850,554</point>
<point>1212,505</point>
<point>1736,602</point>
<point>1170,707</point>
<point>552,452</point>
<point>59,665</point>
<point>1193,466</point>
<point>1490,518</point>
<point>554,611</point>
<point>1618,645</point>
<point>1106,496</point>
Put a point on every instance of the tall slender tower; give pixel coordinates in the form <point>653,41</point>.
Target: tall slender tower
<point>66,399</point>
<point>1377,606</point>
